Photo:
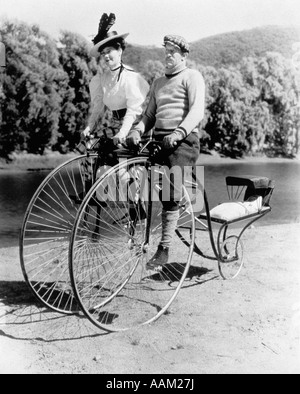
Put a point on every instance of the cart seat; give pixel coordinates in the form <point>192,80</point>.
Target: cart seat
<point>251,185</point>
<point>249,195</point>
<point>233,210</point>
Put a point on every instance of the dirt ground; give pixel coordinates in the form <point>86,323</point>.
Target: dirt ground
<point>250,325</point>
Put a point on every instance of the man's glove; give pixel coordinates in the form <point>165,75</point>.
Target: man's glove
<point>170,141</point>
<point>133,139</point>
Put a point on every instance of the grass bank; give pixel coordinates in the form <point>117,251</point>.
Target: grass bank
<point>33,162</point>
<point>50,160</point>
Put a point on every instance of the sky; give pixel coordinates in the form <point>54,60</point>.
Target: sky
<point>148,21</point>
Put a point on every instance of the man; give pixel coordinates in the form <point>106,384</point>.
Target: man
<point>175,109</point>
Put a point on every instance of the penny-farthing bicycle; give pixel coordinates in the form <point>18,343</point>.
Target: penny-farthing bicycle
<point>116,230</point>
<point>86,238</point>
<point>118,227</point>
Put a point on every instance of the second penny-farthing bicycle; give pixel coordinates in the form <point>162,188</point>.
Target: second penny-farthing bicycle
<point>118,227</point>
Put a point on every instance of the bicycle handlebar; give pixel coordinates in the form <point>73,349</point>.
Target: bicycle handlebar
<point>152,145</point>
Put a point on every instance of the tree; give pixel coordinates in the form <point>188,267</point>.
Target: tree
<point>153,69</point>
<point>31,105</point>
<point>224,124</point>
<point>279,88</point>
<point>79,67</point>
<point>252,107</point>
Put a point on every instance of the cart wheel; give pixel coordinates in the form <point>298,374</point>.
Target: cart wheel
<point>112,241</point>
<point>44,240</point>
<point>231,258</point>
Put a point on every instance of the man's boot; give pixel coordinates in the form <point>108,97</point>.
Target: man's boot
<point>161,257</point>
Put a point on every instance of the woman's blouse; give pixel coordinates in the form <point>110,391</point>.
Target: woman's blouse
<point>118,90</point>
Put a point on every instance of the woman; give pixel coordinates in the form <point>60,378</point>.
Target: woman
<point>118,88</point>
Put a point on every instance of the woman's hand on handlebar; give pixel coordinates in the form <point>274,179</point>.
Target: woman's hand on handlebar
<point>133,139</point>
<point>118,140</point>
<point>86,133</point>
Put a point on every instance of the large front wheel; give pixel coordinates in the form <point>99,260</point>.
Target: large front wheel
<point>45,233</point>
<point>117,230</point>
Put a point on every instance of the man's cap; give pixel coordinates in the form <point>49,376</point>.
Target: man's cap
<point>178,41</point>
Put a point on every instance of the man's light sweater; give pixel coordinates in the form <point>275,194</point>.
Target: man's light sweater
<point>175,101</point>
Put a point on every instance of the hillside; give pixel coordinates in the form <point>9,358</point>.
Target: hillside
<point>229,48</point>
<point>225,49</point>
<point>138,55</point>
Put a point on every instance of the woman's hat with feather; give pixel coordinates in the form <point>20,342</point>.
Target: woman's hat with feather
<point>104,37</point>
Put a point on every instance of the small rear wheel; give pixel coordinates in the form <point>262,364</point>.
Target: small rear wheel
<point>231,258</point>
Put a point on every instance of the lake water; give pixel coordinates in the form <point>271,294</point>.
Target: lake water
<point>17,188</point>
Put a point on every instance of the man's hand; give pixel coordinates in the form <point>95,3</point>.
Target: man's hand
<point>133,139</point>
<point>170,141</point>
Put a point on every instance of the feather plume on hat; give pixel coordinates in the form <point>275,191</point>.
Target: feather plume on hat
<point>104,36</point>
<point>106,22</point>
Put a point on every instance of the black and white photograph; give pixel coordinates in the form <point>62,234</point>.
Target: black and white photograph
<point>149,189</point>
